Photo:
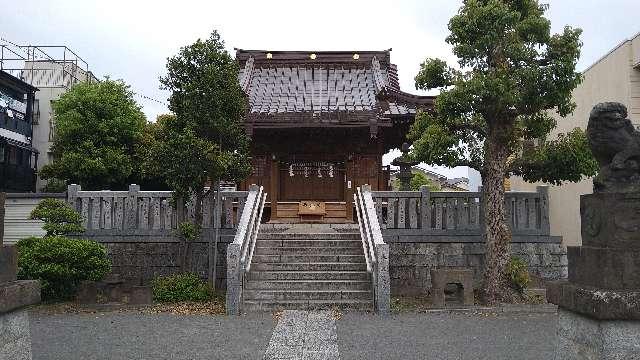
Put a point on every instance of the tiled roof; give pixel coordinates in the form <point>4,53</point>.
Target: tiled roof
<point>326,87</point>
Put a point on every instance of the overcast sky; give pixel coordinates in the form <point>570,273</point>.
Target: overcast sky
<point>131,40</point>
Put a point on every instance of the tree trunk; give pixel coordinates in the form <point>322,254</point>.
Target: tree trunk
<point>497,232</point>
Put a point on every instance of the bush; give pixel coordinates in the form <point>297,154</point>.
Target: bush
<point>180,287</point>
<point>61,263</point>
<point>518,274</point>
<point>58,216</point>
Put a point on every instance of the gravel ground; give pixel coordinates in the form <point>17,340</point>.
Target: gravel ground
<point>447,336</point>
<point>132,335</point>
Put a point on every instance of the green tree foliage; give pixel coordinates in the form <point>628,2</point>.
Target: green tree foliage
<point>97,128</point>
<point>419,179</point>
<point>61,263</point>
<point>205,138</point>
<point>511,72</point>
<point>59,218</point>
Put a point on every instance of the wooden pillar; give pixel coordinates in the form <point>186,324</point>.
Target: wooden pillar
<point>349,185</point>
<point>274,187</point>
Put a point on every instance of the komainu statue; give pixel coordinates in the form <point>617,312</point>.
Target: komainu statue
<point>615,143</point>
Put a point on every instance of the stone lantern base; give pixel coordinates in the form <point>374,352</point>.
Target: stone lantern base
<point>599,306</point>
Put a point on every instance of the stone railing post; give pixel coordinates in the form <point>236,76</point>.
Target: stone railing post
<point>545,227</point>
<point>383,284</point>
<point>234,280</point>
<point>131,208</point>
<point>425,208</point>
<point>72,194</point>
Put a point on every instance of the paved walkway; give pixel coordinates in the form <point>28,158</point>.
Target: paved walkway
<point>298,335</point>
<point>304,335</point>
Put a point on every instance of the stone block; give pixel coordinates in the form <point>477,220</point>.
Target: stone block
<point>580,337</point>
<point>595,303</point>
<point>18,294</point>
<point>611,220</point>
<point>8,264</point>
<point>441,277</point>
<point>606,268</point>
<point>141,295</point>
<point>87,292</point>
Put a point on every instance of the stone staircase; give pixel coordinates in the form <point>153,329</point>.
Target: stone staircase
<point>308,268</point>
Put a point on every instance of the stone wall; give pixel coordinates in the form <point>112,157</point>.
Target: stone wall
<point>141,261</point>
<point>410,262</point>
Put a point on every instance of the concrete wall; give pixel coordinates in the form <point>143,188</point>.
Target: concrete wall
<point>410,262</point>
<point>612,78</point>
<point>42,130</point>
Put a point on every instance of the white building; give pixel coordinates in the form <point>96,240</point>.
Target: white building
<point>615,77</point>
<point>53,70</point>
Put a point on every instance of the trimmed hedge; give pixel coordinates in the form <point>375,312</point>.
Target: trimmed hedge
<point>61,263</point>
<point>180,287</point>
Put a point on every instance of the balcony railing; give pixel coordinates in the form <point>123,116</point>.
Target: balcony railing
<point>16,123</point>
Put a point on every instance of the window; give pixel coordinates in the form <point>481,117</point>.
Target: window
<point>1,153</point>
<point>52,122</point>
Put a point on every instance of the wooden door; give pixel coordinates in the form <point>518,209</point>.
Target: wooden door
<point>311,184</point>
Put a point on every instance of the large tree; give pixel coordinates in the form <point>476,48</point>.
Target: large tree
<point>97,129</point>
<point>204,139</point>
<point>493,111</point>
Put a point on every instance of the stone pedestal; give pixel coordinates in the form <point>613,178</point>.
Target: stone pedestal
<point>600,302</point>
<point>461,277</point>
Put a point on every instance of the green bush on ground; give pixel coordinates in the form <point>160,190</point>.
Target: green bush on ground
<point>61,263</point>
<point>180,287</point>
<point>518,273</point>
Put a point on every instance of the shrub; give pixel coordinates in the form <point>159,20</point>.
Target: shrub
<point>518,273</point>
<point>58,216</point>
<point>180,287</point>
<point>61,263</point>
<point>188,231</point>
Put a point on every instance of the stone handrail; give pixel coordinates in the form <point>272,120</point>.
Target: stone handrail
<point>375,249</point>
<point>240,251</point>
<point>139,211</point>
<point>402,213</point>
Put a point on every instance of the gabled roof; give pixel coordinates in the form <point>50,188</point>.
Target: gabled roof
<point>333,88</point>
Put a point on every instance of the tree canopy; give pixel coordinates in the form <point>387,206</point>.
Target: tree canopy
<point>97,128</point>
<point>493,110</point>
<point>204,139</point>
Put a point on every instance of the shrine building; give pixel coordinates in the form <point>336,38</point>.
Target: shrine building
<point>320,123</point>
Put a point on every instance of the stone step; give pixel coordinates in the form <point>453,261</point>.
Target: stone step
<point>311,258</point>
<point>307,275</point>
<point>308,285</point>
<point>309,266</point>
<point>315,250</point>
<point>310,243</point>
<point>310,236</point>
<point>270,305</point>
<point>306,294</point>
